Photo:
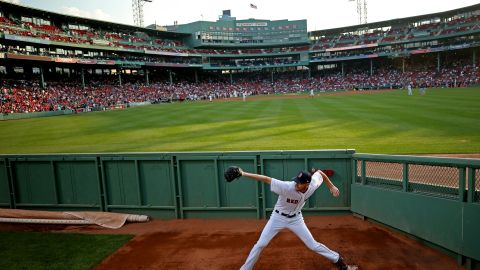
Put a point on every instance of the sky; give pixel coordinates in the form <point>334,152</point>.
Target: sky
<point>320,14</point>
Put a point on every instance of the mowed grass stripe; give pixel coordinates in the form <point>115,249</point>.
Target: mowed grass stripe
<point>410,113</point>
<point>199,122</point>
<point>443,121</point>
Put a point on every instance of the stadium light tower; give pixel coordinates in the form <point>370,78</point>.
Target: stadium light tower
<point>361,11</point>
<point>137,6</point>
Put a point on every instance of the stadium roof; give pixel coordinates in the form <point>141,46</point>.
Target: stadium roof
<point>6,6</point>
<point>353,28</point>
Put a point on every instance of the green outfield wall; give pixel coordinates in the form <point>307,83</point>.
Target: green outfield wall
<point>436,200</point>
<point>16,116</point>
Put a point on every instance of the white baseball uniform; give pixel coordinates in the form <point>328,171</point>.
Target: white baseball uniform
<point>287,214</point>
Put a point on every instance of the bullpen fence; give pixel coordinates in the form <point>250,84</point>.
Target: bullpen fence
<point>435,199</point>
<point>165,185</point>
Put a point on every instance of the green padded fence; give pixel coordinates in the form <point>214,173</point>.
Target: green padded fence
<point>4,184</point>
<point>138,183</point>
<point>166,185</point>
<point>435,199</point>
<point>54,182</point>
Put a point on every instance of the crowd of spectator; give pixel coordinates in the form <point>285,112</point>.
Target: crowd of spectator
<point>138,41</point>
<point>162,51</point>
<point>17,96</point>
<point>399,33</point>
<point>147,42</point>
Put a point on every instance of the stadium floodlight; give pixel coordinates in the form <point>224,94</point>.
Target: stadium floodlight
<point>361,10</point>
<point>137,7</point>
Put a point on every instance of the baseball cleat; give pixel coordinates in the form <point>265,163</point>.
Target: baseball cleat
<point>343,266</point>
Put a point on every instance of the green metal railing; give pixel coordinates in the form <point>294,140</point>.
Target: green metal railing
<point>443,177</point>
<point>475,185</point>
<point>435,199</point>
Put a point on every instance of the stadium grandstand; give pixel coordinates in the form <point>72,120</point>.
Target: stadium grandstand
<point>52,62</point>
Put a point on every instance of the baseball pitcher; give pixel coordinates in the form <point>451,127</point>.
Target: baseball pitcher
<point>287,212</point>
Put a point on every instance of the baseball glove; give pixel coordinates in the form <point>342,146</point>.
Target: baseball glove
<point>232,173</point>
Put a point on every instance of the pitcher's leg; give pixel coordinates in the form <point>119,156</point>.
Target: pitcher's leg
<point>271,229</point>
<point>301,230</point>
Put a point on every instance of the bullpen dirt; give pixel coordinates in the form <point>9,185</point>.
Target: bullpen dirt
<point>215,244</point>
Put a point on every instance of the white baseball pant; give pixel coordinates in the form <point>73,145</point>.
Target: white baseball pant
<point>297,225</point>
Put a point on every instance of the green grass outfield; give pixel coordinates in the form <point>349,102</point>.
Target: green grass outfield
<point>442,121</point>
<point>51,251</point>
